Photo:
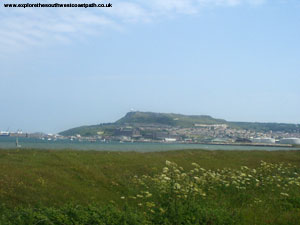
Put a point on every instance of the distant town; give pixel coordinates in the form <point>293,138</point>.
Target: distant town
<point>134,128</point>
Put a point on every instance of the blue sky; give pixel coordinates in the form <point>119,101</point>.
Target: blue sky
<point>232,59</point>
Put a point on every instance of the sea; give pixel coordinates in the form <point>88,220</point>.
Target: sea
<point>34,143</point>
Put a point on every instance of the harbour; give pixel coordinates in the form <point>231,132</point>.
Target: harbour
<point>46,144</point>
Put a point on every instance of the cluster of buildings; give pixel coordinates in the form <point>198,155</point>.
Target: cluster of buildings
<point>199,133</point>
<point>19,133</point>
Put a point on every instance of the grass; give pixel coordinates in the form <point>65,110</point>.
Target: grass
<point>53,179</point>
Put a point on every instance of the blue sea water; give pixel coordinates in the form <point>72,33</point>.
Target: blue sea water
<point>26,143</point>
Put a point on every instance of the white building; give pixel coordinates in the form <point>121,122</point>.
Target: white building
<point>292,141</point>
<point>170,139</point>
<point>264,140</point>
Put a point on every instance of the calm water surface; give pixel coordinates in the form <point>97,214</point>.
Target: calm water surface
<point>10,142</point>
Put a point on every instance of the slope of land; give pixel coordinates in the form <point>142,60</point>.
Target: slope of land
<point>140,119</point>
<point>169,119</point>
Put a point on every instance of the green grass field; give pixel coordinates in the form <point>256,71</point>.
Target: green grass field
<point>55,181</point>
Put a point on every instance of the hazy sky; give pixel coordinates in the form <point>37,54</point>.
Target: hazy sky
<point>237,60</point>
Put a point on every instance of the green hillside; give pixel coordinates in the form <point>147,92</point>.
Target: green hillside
<point>137,119</point>
<point>143,118</point>
<point>169,119</point>
<point>105,129</point>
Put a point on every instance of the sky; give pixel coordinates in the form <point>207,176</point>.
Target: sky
<point>232,59</point>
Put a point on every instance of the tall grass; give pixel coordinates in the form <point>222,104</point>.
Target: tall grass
<point>90,187</point>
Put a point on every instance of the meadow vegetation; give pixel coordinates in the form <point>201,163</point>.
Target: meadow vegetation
<point>176,187</point>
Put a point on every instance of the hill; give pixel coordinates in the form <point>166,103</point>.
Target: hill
<point>137,119</point>
<point>168,119</point>
<point>91,130</point>
<point>140,119</point>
